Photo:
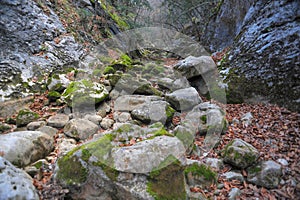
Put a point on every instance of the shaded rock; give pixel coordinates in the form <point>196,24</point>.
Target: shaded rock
<point>186,136</point>
<point>103,109</point>
<point>122,117</point>
<point>234,193</point>
<point>11,107</point>
<point>25,147</point>
<point>226,24</point>
<point>195,66</point>
<point>106,123</point>
<point>4,127</point>
<point>200,175</point>
<point>130,102</point>
<point>58,120</point>
<point>184,99</point>
<point>155,111</point>
<point>239,153</point>
<point>35,125</point>
<point>15,183</point>
<point>264,60</point>
<point>26,116</point>
<point>233,176</point>
<point>48,130</point>
<point>80,129</point>
<point>266,174</point>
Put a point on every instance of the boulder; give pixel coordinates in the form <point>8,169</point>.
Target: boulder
<point>24,147</point>
<point>106,123</point>
<point>266,174</point>
<point>155,111</point>
<point>15,183</point>
<point>195,66</point>
<point>184,99</point>
<point>147,169</point>
<point>58,120</point>
<point>80,129</point>
<point>84,94</point>
<point>130,102</point>
<point>240,154</point>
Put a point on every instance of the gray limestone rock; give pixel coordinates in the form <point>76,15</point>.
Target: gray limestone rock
<point>266,174</point>
<point>239,153</point>
<point>58,120</point>
<point>24,147</point>
<point>15,183</point>
<point>184,99</point>
<point>80,129</point>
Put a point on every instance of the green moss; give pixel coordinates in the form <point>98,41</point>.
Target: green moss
<point>156,125</point>
<point>109,70</point>
<point>71,170</point>
<point>167,181</point>
<point>26,116</point>
<point>125,128</point>
<point>201,171</point>
<point>254,170</point>
<point>113,79</point>
<point>169,112</point>
<point>160,132</point>
<point>38,164</point>
<point>204,119</point>
<point>110,172</point>
<point>53,95</point>
<point>186,137</point>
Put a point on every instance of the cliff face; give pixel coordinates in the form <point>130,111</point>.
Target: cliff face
<point>223,27</point>
<point>264,59</point>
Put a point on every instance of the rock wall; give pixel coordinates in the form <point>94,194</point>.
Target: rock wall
<point>226,24</point>
<point>264,61</point>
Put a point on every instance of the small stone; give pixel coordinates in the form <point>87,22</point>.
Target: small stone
<point>234,192</point>
<point>35,125</point>
<point>234,176</point>
<point>26,116</point>
<point>247,119</point>
<point>122,117</point>
<point>48,130</point>
<point>58,120</point>
<point>220,186</point>
<point>96,119</point>
<point>282,161</point>
<point>106,123</point>
<point>65,145</point>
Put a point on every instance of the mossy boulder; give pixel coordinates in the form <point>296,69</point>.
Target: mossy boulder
<point>266,174</point>
<point>167,182</point>
<point>26,116</point>
<point>84,92</point>
<point>198,174</point>
<point>240,154</point>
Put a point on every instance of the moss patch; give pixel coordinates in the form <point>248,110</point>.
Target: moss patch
<point>26,116</point>
<point>201,171</point>
<point>109,70</point>
<point>170,112</point>
<point>167,181</point>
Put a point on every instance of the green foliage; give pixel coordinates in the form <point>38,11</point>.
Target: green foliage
<point>109,70</point>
